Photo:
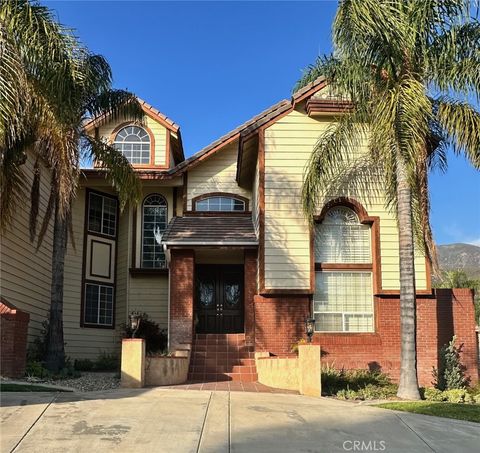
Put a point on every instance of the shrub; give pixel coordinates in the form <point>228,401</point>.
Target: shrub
<point>84,365</point>
<point>456,396</point>
<point>155,338</point>
<point>369,392</point>
<point>107,362</point>
<point>294,347</point>
<point>37,350</point>
<point>334,380</point>
<point>347,394</point>
<point>452,396</point>
<point>104,362</point>
<point>451,372</point>
<point>433,394</point>
<point>36,369</point>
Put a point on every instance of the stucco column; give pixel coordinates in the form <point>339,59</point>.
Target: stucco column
<point>182,286</point>
<point>133,363</point>
<point>309,370</point>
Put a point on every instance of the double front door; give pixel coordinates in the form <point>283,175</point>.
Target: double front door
<point>219,299</point>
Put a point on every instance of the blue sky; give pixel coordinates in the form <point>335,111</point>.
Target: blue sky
<point>210,66</point>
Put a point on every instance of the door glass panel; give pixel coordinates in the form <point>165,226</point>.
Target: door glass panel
<point>232,294</point>
<point>206,291</point>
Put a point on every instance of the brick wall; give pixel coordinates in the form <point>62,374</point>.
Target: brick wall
<point>280,322</point>
<point>182,278</point>
<point>250,285</point>
<point>14,329</point>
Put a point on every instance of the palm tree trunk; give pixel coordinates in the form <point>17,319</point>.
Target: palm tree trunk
<point>408,387</point>
<point>55,357</point>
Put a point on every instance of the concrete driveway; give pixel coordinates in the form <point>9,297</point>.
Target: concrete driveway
<point>167,420</point>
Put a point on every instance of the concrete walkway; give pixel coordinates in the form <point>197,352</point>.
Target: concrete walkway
<point>166,420</point>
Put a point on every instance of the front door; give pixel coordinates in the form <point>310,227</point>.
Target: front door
<point>219,299</point>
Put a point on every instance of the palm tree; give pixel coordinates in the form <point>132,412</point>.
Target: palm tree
<point>408,67</point>
<point>35,58</point>
<point>52,129</point>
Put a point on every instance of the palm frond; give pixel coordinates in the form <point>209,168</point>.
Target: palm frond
<point>335,146</point>
<point>112,105</point>
<point>118,170</point>
<point>461,122</point>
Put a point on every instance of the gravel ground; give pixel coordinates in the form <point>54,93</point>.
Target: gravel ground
<point>87,382</point>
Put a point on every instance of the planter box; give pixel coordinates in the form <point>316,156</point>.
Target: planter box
<point>166,370</point>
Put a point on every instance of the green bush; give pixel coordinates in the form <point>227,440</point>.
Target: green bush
<point>156,339</point>
<point>433,394</point>
<point>107,362</point>
<point>369,392</point>
<point>37,350</point>
<point>334,380</point>
<point>84,365</point>
<point>451,396</point>
<point>104,362</point>
<point>36,369</point>
<point>451,373</point>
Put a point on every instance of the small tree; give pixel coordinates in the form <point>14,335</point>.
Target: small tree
<point>451,372</point>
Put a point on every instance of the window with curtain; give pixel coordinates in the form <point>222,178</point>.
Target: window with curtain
<point>343,299</point>
<point>154,223</point>
<point>134,143</point>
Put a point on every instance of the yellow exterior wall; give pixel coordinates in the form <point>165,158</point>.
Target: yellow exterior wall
<point>25,274</point>
<point>149,294</point>
<point>215,174</point>
<point>159,132</point>
<point>82,342</point>
<point>288,145</point>
<point>143,293</point>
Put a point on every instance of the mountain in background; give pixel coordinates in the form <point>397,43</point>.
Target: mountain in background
<point>460,256</point>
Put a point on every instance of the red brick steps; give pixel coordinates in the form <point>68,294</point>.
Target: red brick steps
<point>222,357</point>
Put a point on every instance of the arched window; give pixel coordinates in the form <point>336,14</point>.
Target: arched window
<point>343,299</point>
<point>219,203</point>
<point>134,143</point>
<point>154,223</point>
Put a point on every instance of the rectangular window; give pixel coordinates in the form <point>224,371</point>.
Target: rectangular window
<point>102,214</point>
<point>98,308</point>
<point>343,302</point>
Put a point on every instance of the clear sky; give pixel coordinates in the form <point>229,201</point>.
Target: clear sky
<point>210,66</point>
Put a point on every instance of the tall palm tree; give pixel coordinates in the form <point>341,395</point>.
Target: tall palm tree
<point>52,129</point>
<point>408,67</point>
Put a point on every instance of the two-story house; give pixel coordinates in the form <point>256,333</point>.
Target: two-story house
<point>218,247</point>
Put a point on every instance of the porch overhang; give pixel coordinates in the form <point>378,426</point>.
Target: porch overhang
<point>221,231</point>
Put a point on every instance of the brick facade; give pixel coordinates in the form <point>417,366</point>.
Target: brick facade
<point>182,281</point>
<point>280,323</point>
<point>14,329</point>
<point>250,289</point>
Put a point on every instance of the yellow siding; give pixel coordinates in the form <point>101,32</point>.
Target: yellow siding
<point>150,295</point>
<point>159,132</point>
<point>123,264</point>
<point>25,274</point>
<point>288,146</point>
<point>215,174</point>
<point>81,342</point>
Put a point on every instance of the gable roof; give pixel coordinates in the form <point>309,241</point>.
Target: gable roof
<point>252,125</point>
<point>148,109</point>
<point>246,129</point>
